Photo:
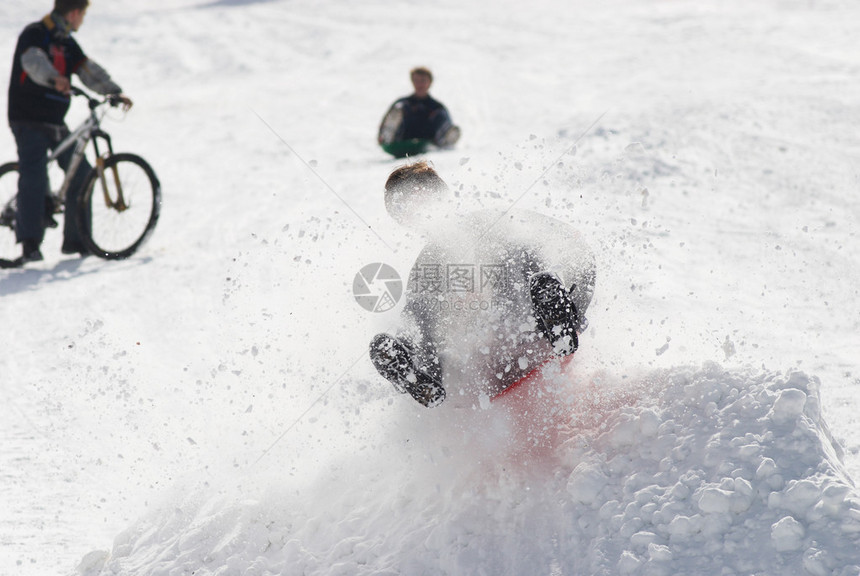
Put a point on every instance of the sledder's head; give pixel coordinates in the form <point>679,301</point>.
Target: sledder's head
<point>421,78</point>
<point>411,192</point>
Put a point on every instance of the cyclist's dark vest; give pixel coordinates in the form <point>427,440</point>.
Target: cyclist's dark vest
<point>29,102</point>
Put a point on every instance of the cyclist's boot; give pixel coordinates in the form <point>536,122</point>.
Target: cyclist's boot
<point>30,252</point>
<point>395,361</point>
<point>71,247</point>
<point>555,312</point>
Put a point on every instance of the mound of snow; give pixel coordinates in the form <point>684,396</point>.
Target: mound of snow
<point>688,471</point>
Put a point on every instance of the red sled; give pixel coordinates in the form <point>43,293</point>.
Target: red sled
<point>519,388</point>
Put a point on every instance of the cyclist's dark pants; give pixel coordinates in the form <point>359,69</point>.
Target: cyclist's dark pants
<point>34,141</point>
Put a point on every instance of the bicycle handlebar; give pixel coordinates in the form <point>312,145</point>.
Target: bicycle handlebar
<point>112,99</point>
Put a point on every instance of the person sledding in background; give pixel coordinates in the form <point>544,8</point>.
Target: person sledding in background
<point>45,58</point>
<point>416,121</point>
<point>485,332</point>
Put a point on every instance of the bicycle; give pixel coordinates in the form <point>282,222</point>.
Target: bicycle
<point>120,202</point>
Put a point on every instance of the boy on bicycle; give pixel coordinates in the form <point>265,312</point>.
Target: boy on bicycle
<point>39,96</point>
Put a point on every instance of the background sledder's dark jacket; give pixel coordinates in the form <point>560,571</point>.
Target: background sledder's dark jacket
<point>34,100</point>
<point>419,117</point>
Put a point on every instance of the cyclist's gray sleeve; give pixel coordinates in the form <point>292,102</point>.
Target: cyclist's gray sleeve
<point>97,79</point>
<point>38,67</point>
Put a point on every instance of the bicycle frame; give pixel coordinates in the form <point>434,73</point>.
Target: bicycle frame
<point>87,131</point>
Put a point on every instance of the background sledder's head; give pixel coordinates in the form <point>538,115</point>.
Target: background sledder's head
<point>411,189</point>
<point>421,78</point>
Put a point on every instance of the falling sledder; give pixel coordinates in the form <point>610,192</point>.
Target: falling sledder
<point>491,298</point>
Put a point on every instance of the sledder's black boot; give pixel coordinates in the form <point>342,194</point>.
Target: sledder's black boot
<point>394,361</point>
<point>555,312</point>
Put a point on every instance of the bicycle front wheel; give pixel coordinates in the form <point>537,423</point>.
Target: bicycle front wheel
<point>119,206</point>
<point>9,247</point>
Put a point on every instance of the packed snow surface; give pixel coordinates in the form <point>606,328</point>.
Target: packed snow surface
<point>208,407</point>
<point>690,471</point>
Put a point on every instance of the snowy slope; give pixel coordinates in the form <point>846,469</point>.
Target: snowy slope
<point>208,403</point>
<point>689,472</point>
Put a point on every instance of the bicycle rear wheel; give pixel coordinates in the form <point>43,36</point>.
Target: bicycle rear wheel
<point>9,248</point>
<point>119,206</point>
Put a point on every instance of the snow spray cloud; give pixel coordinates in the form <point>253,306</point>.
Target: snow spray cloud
<point>323,181</point>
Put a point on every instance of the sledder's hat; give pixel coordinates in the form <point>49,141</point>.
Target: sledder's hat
<point>409,183</point>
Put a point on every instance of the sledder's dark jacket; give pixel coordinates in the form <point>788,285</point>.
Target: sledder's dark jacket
<point>45,51</point>
<point>419,117</point>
